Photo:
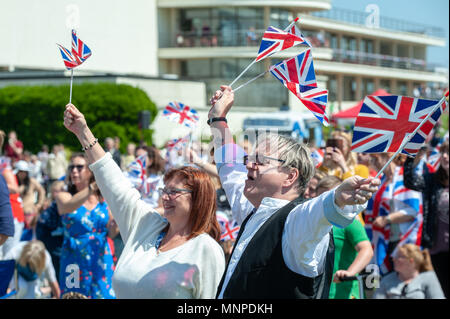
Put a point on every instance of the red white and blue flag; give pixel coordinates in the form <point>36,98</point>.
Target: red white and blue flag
<point>298,75</point>
<point>136,171</point>
<point>228,229</point>
<point>275,40</point>
<point>393,196</point>
<point>177,143</point>
<point>434,159</point>
<point>80,52</point>
<point>317,157</point>
<point>182,114</point>
<point>384,121</point>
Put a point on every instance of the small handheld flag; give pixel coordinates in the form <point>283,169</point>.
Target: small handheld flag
<point>182,114</point>
<point>80,52</point>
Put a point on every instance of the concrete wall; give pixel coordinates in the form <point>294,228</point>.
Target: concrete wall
<point>122,37</point>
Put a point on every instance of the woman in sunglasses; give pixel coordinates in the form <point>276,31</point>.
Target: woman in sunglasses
<point>172,256</point>
<point>86,262</point>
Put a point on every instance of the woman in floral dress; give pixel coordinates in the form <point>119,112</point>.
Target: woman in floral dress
<point>86,264</point>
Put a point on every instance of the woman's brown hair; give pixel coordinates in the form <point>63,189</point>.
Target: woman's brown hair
<point>203,214</point>
<point>421,258</point>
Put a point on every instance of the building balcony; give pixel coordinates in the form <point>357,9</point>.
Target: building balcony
<point>304,5</point>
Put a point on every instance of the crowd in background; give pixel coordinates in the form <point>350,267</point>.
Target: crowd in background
<point>61,219</point>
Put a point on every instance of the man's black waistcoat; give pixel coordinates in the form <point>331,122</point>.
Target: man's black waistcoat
<point>262,273</point>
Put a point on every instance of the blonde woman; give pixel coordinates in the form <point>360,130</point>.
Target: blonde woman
<point>413,278</point>
<point>32,261</point>
<point>339,160</point>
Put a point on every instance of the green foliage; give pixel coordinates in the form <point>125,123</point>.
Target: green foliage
<point>36,113</point>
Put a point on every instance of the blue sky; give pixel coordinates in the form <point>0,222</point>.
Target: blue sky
<point>431,12</point>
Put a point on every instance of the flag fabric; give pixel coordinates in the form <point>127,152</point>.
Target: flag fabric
<point>182,114</point>
<point>275,40</point>
<point>298,75</point>
<point>434,159</point>
<point>80,52</point>
<point>177,143</point>
<point>136,171</point>
<point>384,121</point>
<point>229,229</point>
<point>317,157</point>
<point>393,196</point>
<point>69,60</point>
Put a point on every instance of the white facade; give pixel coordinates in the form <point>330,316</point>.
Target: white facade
<point>122,35</point>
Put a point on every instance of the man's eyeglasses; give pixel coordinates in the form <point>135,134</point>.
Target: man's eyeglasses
<point>259,159</point>
<point>78,167</point>
<point>171,192</point>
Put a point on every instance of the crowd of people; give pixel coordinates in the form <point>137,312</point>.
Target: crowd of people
<point>277,219</point>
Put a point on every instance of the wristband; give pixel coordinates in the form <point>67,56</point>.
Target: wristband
<point>90,145</point>
<point>216,119</point>
<point>388,220</point>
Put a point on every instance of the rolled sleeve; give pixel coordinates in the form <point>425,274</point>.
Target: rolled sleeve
<point>340,217</point>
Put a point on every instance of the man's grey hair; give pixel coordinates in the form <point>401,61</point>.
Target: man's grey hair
<point>293,153</point>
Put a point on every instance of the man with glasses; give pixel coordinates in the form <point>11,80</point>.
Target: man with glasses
<point>284,248</point>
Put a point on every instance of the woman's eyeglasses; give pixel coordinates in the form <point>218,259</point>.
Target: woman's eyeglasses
<point>171,192</point>
<point>259,159</point>
<point>78,167</point>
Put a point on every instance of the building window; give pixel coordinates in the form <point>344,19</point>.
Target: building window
<point>385,85</point>
<point>332,87</point>
<point>402,88</point>
<point>368,87</point>
<point>280,18</point>
<point>349,88</point>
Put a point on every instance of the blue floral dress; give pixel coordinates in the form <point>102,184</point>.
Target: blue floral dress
<point>86,264</point>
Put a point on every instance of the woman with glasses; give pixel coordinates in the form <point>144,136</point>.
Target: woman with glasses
<point>86,262</point>
<point>413,277</point>
<point>172,256</point>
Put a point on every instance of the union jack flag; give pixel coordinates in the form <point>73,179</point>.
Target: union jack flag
<point>177,143</point>
<point>384,121</point>
<point>228,229</point>
<point>80,52</point>
<point>298,75</point>
<point>136,171</point>
<point>434,159</point>
<point>181,113</point>
<point>275,40</point>
<point>317,157</point>
<point>393,196</point>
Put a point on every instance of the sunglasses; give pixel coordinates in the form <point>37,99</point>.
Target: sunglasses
<point>78,167</point>
<point>171,192</point>
<point>259,159</point>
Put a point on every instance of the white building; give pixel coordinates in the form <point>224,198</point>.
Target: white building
<point>184,49</point>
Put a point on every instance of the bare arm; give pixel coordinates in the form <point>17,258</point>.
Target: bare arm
<point>365,253</point>
<point>67,203</point>
<point>56,292</point>
<point>75,122</point>
<point>41,194</point>
<point>10,179</point>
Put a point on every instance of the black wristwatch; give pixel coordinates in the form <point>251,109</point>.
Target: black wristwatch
<point>216,119</point>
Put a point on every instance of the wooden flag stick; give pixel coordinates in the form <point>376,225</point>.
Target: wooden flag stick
<point>409,137</point>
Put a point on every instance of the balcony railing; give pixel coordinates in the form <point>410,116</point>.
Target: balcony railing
<point>359,18</point>
<point>317,39</point>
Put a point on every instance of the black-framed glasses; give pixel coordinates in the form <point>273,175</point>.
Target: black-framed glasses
<point>78,167</point>
<point>259,159</point>
<point>171,192</point>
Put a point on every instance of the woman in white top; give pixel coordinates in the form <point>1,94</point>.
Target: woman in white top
<point>175,256</point>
